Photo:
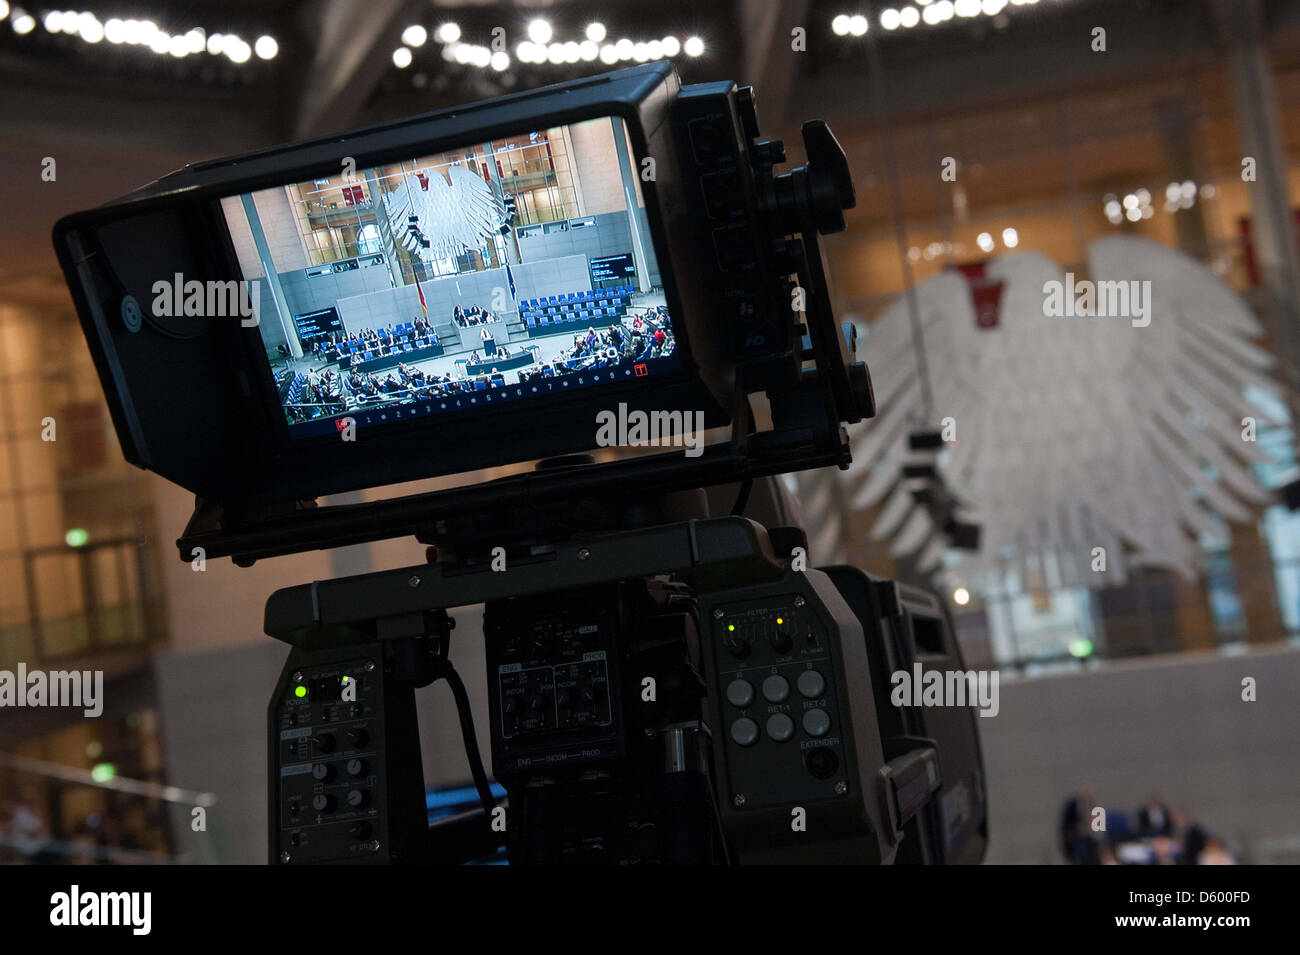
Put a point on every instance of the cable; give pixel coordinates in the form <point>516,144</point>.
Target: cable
<point>742,499</point>
<point>448,672</point>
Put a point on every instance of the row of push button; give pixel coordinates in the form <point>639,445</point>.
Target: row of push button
<point>776,689</point>
<point>816,723</point>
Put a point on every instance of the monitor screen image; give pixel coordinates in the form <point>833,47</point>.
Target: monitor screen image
<point>454,281</point>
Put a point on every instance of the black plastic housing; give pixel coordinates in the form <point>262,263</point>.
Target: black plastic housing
<point>193,399</point>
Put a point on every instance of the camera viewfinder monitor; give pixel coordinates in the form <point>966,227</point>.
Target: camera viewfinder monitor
<point>454,282</point>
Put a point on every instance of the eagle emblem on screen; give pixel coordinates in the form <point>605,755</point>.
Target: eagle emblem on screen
<point>436,214</point>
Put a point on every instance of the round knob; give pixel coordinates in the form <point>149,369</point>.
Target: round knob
<point>357,768</point>
<point>782,640</point>
<point>740,693</point>
<point>811,684</point>
<point>358,736</point>
<point>739,648</point>
<point>322,802</point>
<point>323,772</point>
<point>776,689</point>
<point>325,742</point>
<point>357,799</point>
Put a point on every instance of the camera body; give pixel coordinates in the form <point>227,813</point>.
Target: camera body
<point>676,695</point>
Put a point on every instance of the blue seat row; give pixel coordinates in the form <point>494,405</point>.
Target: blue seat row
<point>586,295</point>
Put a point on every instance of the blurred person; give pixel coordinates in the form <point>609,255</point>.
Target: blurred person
<point>1215,853</point>
<point>1153,818</point>
<point>1190,836</point>
<point>29,833</point>
<point>1077,842</point>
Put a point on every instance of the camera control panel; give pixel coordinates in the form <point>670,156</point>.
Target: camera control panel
<point>328,764</point>
<point>777,703</point>
<point>553,684</point>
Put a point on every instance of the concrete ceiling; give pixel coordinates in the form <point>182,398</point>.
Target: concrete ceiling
<point>114,118</point>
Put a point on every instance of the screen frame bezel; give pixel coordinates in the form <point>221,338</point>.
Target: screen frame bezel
<point>672,379</point>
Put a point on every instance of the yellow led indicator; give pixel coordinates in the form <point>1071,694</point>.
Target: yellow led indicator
<point>300,692</point>
<point>779,621</point>
<point>731,626</point>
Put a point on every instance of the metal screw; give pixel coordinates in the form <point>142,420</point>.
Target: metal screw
<point>738,800</point>
<point>584,554</point>
<point>297,677</point>
<point>285,856</point>
<point>798,601</point>
<point>413,581</point>
<point>370,666</point>
<point>718,614</point>
<point>373,845</point>
<point>841,788</point>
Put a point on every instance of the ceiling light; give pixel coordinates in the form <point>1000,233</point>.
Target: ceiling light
<point>92,31</point>
<point>595,32</point>
<point>694,46</point>
<point>402,58</point>
<point>415,35</point>
<point>266,48</point>
<point>539,31</point>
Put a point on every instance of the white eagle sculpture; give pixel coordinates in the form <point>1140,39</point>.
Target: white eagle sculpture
<point>1130,432</point>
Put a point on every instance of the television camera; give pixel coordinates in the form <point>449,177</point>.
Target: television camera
<point>669,679</point>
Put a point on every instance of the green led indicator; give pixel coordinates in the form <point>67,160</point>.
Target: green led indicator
<point>77,537</point>
<point>300,691</point>
<point>346,679</point>
<point>1081,648</point>
<point>731,626</point>
<point>103,772</point>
